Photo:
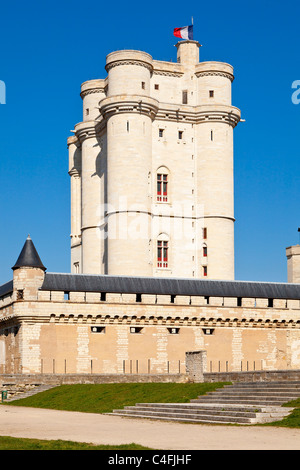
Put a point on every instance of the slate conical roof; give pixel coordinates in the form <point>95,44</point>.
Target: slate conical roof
<point>29,257</point>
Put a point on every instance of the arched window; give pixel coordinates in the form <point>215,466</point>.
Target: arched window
<point>162,184</point>
<point>162,251</point>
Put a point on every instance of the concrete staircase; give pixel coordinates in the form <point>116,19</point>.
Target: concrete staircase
<point>15,392</point>
<point>240,403</point>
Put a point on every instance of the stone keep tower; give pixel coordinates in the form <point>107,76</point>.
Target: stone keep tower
<point>151,168</point>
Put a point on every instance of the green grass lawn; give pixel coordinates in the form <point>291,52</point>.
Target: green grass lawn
<point>291,421</point>
<point>103,398</point>
<point>14,443</point>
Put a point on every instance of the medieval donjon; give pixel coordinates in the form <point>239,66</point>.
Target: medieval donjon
<point>151,168</point>
<point>152,238</point>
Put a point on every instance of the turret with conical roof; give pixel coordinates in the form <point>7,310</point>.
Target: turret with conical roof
<point>29,273</point>
<point>29,257</point>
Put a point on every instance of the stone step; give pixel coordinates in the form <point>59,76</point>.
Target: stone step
<point>213,418</point>
<point>254,386</point>
<point>265,384</point>
<point>261,393</point>
<point>238,396</point>
<point>204,414</point>
<point>18,394</point>
<point>250,413</point>
<point>246,403</point>
<point>197,406</point>
<point>259,390</point>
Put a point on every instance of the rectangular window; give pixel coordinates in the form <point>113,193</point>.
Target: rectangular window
<point>98,329</point>
<point>211,93</point>
<point>20,294</point>
<point>204,233</point>
<point>143,85</point>
<point>204,270</point>
<point>180,135</point>
<point>160,132</point>
<point>208,331</point>
<point>184,97</point>
<point>162,254</point>
<point>173,331</point>
<point>135,329</point>
<point>205,251</point>
<point>162,188</point>
<point>156,86</point>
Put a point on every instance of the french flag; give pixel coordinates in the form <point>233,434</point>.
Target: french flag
<point>184,33</point>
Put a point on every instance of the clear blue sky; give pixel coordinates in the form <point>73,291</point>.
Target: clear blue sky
<point>49,48</point>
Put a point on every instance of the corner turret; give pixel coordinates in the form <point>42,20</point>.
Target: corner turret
<point>29,273</point>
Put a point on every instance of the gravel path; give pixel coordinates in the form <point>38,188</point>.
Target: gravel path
<point>106,429</point>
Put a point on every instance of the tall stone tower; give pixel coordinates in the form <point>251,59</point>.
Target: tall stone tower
<point>151,168</point>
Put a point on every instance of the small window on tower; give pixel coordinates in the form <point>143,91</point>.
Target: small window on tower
<point>156,86</point>
<point>211,93</point>
<point>180,135</point>
<point>161,132</point>
<point>20,294</point>
<point>143,85</point>
<point>205,271</point>
<point>184,97</point>
<point>205,251</point>
<point>204,233</point>
<point>162,188</point>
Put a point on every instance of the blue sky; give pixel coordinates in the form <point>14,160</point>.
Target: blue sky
<point>50,48</point>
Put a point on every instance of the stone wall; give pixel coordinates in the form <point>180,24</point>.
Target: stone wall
<point>83,334</point>
<point>62,379</point>
<point>253,376</point>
